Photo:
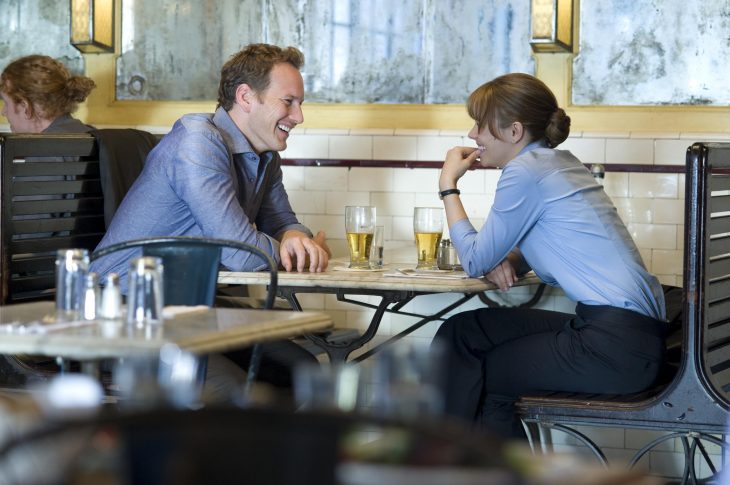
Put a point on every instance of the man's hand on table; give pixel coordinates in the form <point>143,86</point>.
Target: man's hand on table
<point>299,251</point>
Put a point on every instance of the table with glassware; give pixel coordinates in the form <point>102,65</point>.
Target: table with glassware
<point>436,270</point>
<point>32,328</point>
<point>394,289</point>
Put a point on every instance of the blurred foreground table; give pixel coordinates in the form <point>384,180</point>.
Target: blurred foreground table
<point>30,328</point>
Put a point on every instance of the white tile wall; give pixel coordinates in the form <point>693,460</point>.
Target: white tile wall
<point>650,203</point>
<point>623,150</point>
<point>588,150</point>
<point>351,147</point>
<point>654,185</point>
<point>395,148</point>
<point>670,152</point>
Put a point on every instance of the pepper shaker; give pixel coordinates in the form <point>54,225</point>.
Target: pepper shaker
<point>447,257</point>
<point>599,172</point>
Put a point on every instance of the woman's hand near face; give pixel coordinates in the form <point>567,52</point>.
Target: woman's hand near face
<point>458,161</point>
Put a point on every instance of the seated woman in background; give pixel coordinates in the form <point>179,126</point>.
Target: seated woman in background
<point>551,216</point>
<point>39,95</point>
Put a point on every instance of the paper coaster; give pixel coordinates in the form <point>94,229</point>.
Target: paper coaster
<point>356,270</point>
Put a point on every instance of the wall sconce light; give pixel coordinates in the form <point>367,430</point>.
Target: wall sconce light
<point>92,25</point>
<point>552,26</point>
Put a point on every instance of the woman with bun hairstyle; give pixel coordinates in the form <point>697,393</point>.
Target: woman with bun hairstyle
<point>549,215</point>
<point>39,94</point>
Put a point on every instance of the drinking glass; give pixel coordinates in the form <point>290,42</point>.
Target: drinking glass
<point>359,226</point>
<point>428,225</point>
<point>376,250</point>
<point>408,380</point>
<point>327,386</point>
<point>145,296</point>
<point>72,265</point>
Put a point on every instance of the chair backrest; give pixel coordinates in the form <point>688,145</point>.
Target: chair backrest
<point>122,153</point>
<point>51,199</point>
<point>707,264</point>
<point>191,266</point>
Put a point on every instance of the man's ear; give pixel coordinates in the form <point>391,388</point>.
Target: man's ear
<point>244,96</point>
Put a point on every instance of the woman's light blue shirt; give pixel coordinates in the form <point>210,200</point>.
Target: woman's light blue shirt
<point>549,205</point>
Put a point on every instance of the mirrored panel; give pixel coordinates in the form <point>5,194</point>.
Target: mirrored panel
<point>356,51</point>
<point>642,53</point>
<point>37,27</point>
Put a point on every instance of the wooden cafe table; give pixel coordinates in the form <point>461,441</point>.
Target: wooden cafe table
<point>394,292</point>
<point>30,328</point>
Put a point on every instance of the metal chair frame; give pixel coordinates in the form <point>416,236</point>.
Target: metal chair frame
<point>206,252</point>
<point>695,405</point>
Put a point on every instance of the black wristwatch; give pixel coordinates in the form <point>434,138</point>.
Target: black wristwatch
<point>446,192</point>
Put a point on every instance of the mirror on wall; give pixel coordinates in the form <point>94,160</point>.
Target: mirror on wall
<point>652,53</point>
<point>356,51</point>
<point>37,27</point>
<point>378,51</point>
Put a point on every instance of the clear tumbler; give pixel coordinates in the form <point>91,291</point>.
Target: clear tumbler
<point>145,297</point>
<point>72,266</point>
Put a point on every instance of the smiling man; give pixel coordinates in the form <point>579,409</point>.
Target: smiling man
<point>219,175</point>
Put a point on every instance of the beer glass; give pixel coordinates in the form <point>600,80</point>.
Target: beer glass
<point>359,226</point>
<point>428,225</point>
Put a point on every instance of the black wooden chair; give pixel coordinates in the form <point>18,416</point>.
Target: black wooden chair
<point>48,203</point>
<point>59,191</point>
<point>693,406</point>
<point>54,196</point>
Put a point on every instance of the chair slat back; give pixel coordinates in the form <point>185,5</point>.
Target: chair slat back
<point>190,271</point>
<point>707,262</point>
<point>51,199</point>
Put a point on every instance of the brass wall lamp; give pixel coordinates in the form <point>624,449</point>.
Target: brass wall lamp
<point>92,25</point>
<point>551,26</point>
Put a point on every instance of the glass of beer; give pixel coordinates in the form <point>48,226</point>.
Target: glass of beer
<point>428,225</point>
<point>360,226</point>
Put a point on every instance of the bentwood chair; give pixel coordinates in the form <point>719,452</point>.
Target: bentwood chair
<point>191,271</point>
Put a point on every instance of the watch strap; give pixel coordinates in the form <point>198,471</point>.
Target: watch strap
<point>446,192</point>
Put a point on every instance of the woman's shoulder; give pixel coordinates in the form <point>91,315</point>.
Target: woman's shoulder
<point>67,124</point>
<point>545,159</point>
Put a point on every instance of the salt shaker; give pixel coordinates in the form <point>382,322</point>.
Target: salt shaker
<point>111,298</point>
<point>91,299</point>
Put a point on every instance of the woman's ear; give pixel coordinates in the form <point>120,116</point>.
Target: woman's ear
<point>23,107</point>
<point>517,132</point>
